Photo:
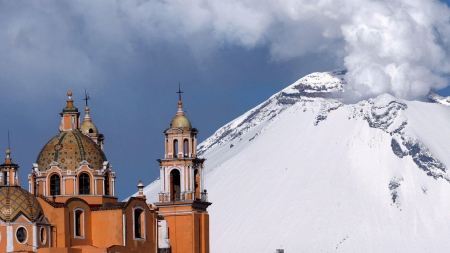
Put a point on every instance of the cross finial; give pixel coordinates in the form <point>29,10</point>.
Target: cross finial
<point>86,97</point>
<point>9,143</point>
<point>179,91</point>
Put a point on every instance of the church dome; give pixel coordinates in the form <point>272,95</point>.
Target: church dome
<point>15,201</point>
<point>68,149</point>
<point>180,121</point>
<point>87,127</point>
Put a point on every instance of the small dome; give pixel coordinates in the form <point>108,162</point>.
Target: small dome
<point>180,121</point>
<point>87,127</point>
<point>15,201</point>
<point>69,148</point>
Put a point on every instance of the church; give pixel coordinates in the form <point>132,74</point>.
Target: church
<point>71,205</point>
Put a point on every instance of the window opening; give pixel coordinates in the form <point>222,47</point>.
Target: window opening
<point>84,184</point>
<point>175,148</point>
<point>197,184</point>
<point>167,146</point>
<point>106,184</point>
<point>185,148</point>
<point>55,185</point>
<point>21,235</point>
<point>79,223</point>
<point>174,185</point>
<point>43,236</point>
<point>138,223</point>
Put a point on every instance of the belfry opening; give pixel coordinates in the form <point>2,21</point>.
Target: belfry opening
<point>175,185</point>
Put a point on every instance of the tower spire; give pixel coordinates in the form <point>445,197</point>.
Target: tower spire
<point>8,152</point>
<point>179,91</point>
<point>86,97</point>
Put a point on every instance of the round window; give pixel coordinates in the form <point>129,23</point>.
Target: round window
<point>43,236</point>
<point>21,235</point>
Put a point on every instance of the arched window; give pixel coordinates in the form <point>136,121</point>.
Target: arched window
<point>197,184</point>
<point>55,185</point>
<point>139,223</point>
<point>185,148</point>
<point>175,148</point>
<point>91,130</point>
<point>106,184</point>
<point>175,185</point>
<point>79,220</point>
<point>84,184</point>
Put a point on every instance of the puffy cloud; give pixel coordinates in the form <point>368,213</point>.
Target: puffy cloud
<point>395,46</point>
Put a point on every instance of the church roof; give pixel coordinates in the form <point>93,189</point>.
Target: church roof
<point>15,201</point>
<point>68,149</point>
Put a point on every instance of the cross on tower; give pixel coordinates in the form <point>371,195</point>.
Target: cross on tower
<point>86,97</point>
<point>179,91</point>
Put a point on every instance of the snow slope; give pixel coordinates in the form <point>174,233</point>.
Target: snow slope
<point>305,173</point>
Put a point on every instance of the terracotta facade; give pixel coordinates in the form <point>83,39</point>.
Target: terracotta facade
<point>71,205</point>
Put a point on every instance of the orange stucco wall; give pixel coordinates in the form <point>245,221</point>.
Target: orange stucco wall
<point>3,241</point>
<point>188,227</point>
<point>112,220</point>
<point>99,187</point>
<point>69,186</point>
<point>59,218</point>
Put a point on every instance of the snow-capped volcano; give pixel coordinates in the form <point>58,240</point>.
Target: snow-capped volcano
<point>304,172</point>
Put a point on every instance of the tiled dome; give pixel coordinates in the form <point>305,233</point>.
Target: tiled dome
<point>15,201</point>
<point>69,148</point>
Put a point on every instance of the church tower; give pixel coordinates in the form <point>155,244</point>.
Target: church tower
<point>183,197</point>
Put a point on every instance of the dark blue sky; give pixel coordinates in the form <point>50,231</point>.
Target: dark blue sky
<point>130,56</point>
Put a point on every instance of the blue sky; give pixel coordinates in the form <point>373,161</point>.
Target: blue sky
<point>228,55</point>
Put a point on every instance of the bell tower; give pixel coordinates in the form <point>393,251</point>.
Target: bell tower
<point>182,198</point>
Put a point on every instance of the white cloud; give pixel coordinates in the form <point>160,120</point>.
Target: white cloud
<point>395,46</point>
